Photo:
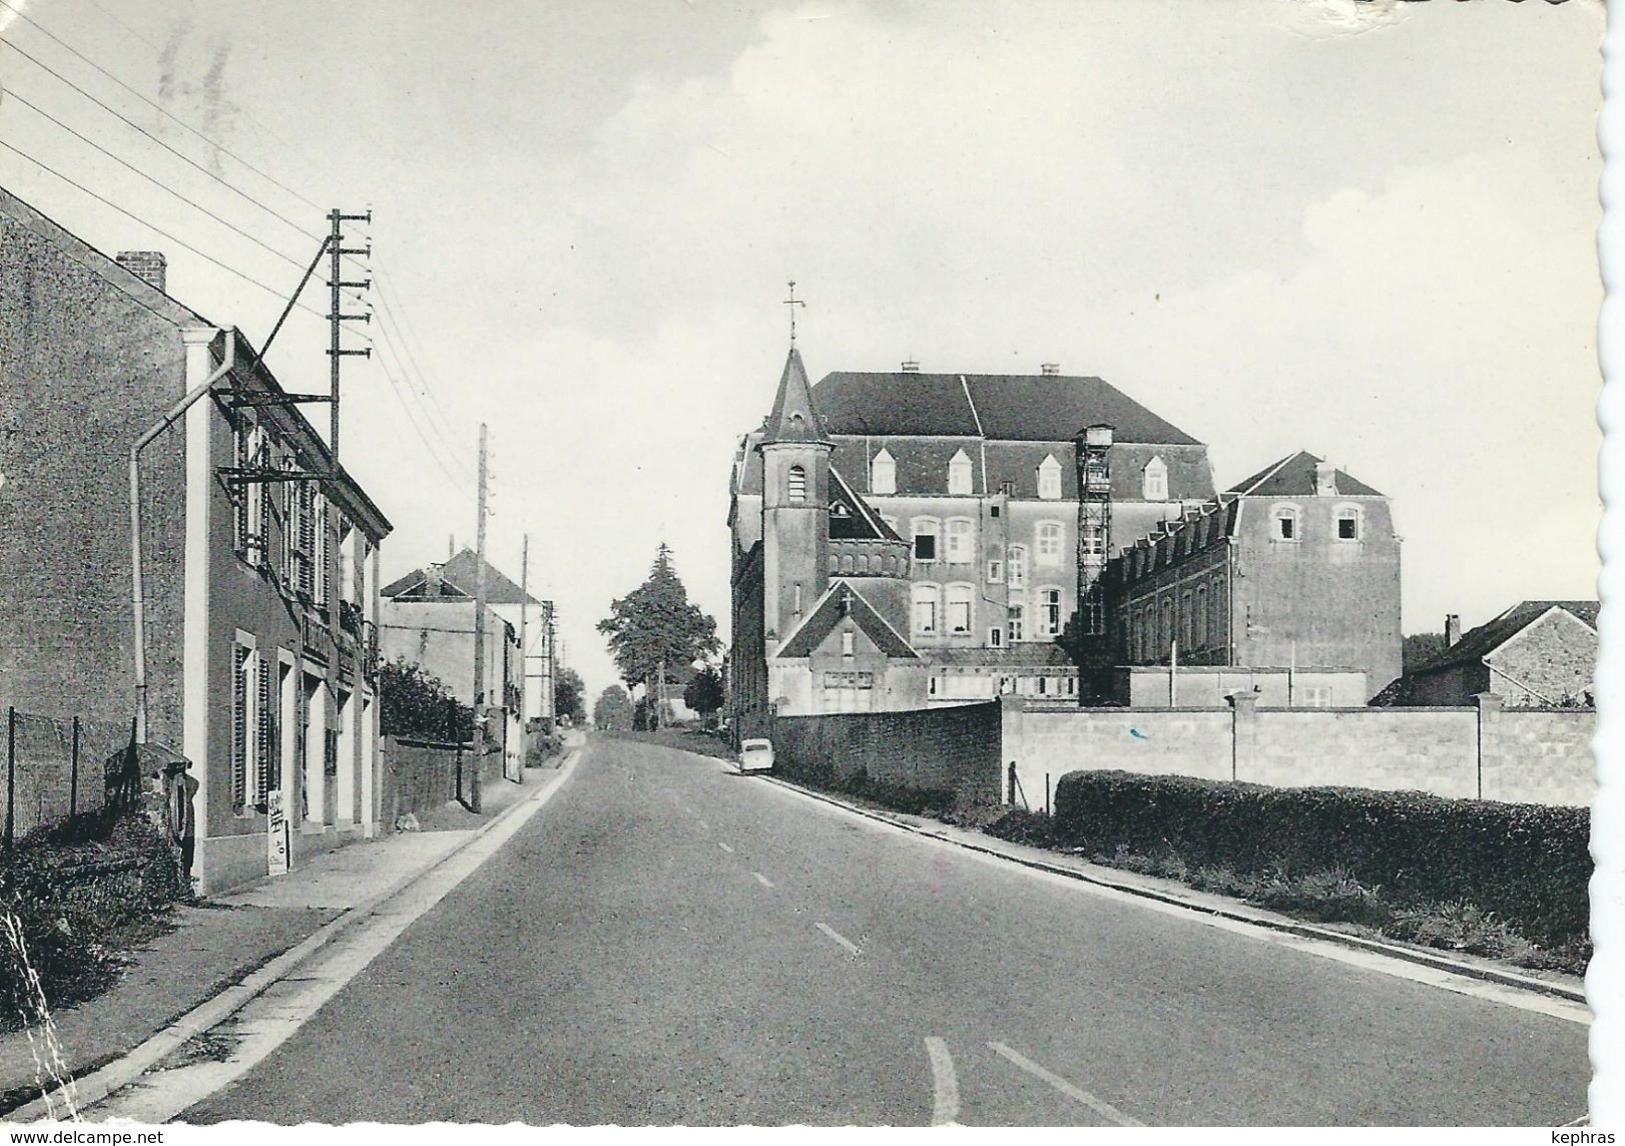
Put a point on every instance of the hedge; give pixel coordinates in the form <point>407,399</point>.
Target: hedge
<point>1527,863</point>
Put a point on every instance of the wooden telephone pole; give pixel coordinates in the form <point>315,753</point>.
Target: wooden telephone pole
<point>479,638</point>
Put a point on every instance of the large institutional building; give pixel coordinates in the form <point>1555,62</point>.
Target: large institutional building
<point>907,539</point>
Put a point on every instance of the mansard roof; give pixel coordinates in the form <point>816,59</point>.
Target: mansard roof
<point>999,407</point>
<point>1294,476</point>
<point>842,599</point>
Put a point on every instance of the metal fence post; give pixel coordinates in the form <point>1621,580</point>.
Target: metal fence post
<point>73,773</point>
<point>11,776</point>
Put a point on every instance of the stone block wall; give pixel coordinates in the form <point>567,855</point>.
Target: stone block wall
<point>952,750</point>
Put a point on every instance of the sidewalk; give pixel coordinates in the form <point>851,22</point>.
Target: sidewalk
<point>220,942</point>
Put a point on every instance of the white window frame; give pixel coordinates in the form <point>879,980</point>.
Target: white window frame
<point>961,475</point>
<point>1016,560</point>
<point>955,594</point>
<point>1286,511</point>
<point>959,535</point>
<point>1016,622</point>
<point>995,638</point>
<point>1049,543</point>
<point>1045,605</point>
<point>883,473</point>
<point>1049,479</point>
<point>995,570</point>
<point>925,527</point>
<point>925,593</point>
<point>1346,513</point>
<point>1315,696</point>
<point>847,643</point>
<point>1154,480</point>
<point>795,485</point>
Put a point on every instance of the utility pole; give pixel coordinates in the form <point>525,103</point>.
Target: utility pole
<point>479,638</point>
<point>524,613</point>
<point>336,317</point>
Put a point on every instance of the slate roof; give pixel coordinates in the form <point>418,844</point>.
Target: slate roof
<point>1479,643</point>
<point>794,417</point>
<point>1019,655</point>
<point>1010,407</point>
<point>1294,476</point>
<point>457,580</point>
<point>811,632</point>
<point>863,521</point>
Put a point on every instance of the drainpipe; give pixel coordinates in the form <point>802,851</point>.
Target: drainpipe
<point>138,605</point>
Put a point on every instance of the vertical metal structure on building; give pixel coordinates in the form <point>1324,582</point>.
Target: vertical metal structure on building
<point>1092,454</point>
<point>336,317</point>
<point>474,786</point>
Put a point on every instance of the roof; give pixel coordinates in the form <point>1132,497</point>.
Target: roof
<point>794,417</point>
<point>1294,476</point>
<point>1007,407</point>
<point>1022,654</point>
<point>839,600</point>
<point>860,520</point>
<point>457,579</point>
<point>1479,643</point>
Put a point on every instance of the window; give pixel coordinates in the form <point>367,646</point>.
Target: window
<point>1094,542</point>
<point>925,610</point>
<point>1049,479</point>
<point>995,571</point>
<point>847,641</point>
<point>960,548</point>
<point>250,495</point>
<point>1015,623</point>
<point>959,474</point>
<point>993,511</point>
<point>1049,612</point>
<point>1348,523</point>
<point>1018,566</point>
<point>883,473</point>
<point>995,638</point>
<point>1049,543</point>
<point>1187,628</point>
<point>1165,630</point>
<point>253,733</point>
<point>1155,480</point>
<point>795,485</point>
<point>1216,617</point>
<point>1202,634</point>
<point>925,538</point>
<point>1286,523</point>
<point>795,603</point>
<point>959,608</point>
<point>1316,696</point>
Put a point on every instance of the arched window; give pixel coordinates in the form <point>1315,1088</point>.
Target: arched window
<point>925,538</point>
<point>1049,479</point>
<point>1349,523</point>
<point>883,473</point>
<point>959,608</point>
<point>925,609</point>
<point>960,547</point>
<point>1015,624</point>
<point>1284,523</point>
<point>1018,567</point>
<point>1202,633</point>
<point>796,485</point>
<point>1049,612</point>
<point>1155,483</point>
<point>1165,630</point>
<point>959,474</point>
<point>1049,542</point>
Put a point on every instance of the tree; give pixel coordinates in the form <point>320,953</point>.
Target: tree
<point>704,693</point>
<point>569,695</point>
<point>613,712</point>
<point>416,705</point>
<point>656,624</point>
<point>1420,648</point>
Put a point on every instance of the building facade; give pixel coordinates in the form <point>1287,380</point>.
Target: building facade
<point>258,556</point>
<point>1537,654</point>
<point>1295,569</point>
<point>976,476</point>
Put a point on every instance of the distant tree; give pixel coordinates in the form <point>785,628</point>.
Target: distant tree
<point>613,712</point>
<point>569,695</point>
<point>704,693</point>
<point>418,706</point>
<point>656,624</point>
<point>1419,648</point>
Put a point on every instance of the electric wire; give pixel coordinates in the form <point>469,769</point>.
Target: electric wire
<point>390,322</point>
<point>445,441</point>
<point>397,386</point>
<point>398,315</point>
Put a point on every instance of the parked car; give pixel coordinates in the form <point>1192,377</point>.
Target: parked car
<point>755,755</point>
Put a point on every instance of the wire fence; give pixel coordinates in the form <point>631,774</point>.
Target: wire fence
<point>58,769</point>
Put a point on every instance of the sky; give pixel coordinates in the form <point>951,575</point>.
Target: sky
<point>1367,230</point>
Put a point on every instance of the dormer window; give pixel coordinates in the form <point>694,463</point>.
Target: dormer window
<point>1049,479</point>
<point>795,485</point>
<point>1156,480</point>
<point>883,473</point>
<point>959,474</point>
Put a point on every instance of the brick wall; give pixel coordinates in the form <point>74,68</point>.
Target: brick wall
<point>1552,660</point>
<point>1516,755</point>
<point>952,750</point>
<point>417,777</point>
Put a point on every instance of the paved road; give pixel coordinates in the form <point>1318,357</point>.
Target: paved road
<point>670,943</point>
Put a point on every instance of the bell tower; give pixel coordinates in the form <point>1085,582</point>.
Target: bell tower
<point>795,505</point>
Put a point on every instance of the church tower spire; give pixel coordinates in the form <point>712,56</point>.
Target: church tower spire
<point>794,417</point>
<point>795,504</point>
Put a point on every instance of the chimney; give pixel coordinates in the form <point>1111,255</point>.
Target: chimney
<point>1325,479</point>
<point>911,367</point>
<point>1050,369</point>
<point>149,266</point>
<point>1452,629</point>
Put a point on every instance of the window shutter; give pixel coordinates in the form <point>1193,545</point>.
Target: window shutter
<point>307,537</point>
<point>241,490</point>
<point>266,714</point>
<point>239,727</point>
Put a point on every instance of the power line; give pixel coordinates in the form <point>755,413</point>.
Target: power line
<point>389,320</point>
<point>410,336</point>
<point>155,106</point>
<point>400,396</point>
<point>181,155</point>
<point>156,182</point>
<point>159,230</point>
<point>446,447</point>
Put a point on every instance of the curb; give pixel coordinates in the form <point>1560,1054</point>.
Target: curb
<point>210,1013</point>
<point>1257,918</point>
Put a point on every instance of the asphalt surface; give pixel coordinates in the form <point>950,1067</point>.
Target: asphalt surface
<point>670,943</point>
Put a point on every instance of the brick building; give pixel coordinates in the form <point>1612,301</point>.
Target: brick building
<point>1295,569</point>
<point>1537,654</point>
<point>259,595</point>
<point>963,488</point>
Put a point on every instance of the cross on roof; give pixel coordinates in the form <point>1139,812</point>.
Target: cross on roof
<point>792,302</point>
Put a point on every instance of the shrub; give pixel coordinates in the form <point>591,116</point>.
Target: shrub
<point>1525,864</point>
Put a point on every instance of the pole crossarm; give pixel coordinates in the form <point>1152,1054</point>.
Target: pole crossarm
<point>248,474</point>
<point>240,398</point>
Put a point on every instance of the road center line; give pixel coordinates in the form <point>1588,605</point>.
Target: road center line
<point>762,879</point>
<point>944,1084</point>
<point>1104,1109</point>
<point>725,847</point>
<point>851,947</point>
